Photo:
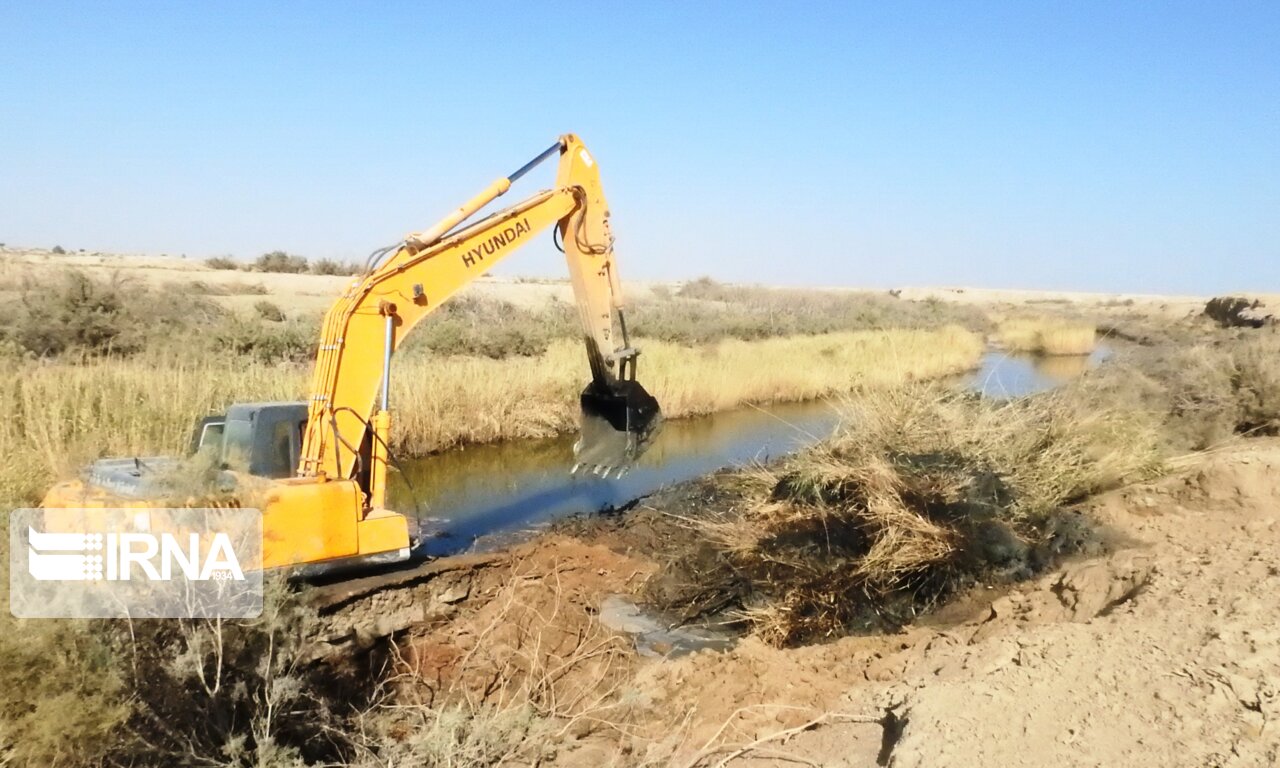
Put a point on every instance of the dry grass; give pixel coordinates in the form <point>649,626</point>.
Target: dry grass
<point>921,484</point>
<point>537,669</point>
<point>1204,394</point>
<point>1048,336</point>
<point>60,415</point>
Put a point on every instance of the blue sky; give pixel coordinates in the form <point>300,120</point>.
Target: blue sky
<point>1100,146</point>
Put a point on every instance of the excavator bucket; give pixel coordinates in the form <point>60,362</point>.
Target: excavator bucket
<point>620,420</point>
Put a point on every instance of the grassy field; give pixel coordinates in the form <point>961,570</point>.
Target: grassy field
<point>64,413</point>
<point>99,365</point>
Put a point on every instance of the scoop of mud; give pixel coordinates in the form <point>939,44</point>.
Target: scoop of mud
<point>620,420</point>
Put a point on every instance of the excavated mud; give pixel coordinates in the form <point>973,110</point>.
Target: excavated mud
<point>697,585</point>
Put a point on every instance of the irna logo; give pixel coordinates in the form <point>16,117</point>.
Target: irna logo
<point>125,556</point>
<point>154,563</point>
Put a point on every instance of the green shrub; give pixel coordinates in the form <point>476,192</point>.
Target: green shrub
<point>77,312</point>
<point>470,326</point>
<point>65,696</point>
<point>58,250</point>
<point>291,341</point>
<point>74,313</point>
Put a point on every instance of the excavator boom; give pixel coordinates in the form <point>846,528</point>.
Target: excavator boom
<point>346,434</point>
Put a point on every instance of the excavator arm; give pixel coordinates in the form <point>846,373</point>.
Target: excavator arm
<point>348,421</point>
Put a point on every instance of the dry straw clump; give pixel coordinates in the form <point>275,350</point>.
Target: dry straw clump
<point>920,489</point>
<point>1048,336</point>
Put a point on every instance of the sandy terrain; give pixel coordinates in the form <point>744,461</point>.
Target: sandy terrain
<point>1165,652</point>
<point>315,292</point>
<point>307,293</point>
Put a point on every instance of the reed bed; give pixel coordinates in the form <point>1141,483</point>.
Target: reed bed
<point>1048,336</point>
<point>62,414</point>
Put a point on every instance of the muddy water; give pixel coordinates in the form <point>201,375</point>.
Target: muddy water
<point>483,497</point>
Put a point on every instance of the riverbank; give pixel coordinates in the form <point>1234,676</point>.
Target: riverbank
<point>61,414</point>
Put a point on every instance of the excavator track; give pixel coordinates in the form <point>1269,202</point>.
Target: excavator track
<point>358,613</point>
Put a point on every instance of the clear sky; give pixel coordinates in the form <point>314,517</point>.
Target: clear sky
<point>1127,146</point>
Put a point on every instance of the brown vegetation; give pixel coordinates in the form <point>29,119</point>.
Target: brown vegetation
<point>921,490</point>
<point>924,490</point>
<point>1237,312</point>
<point>1047,336</point>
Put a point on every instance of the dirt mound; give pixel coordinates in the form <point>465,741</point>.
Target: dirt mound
<point>1164,653</point>
<point>1237,312</point>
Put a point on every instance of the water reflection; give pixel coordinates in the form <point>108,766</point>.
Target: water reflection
<point>1004,375</point>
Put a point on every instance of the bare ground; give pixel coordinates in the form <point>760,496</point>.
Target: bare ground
<point>1164,652</point>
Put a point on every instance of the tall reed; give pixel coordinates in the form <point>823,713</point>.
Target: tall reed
<point>1048,336</point>
<point>60,415</point>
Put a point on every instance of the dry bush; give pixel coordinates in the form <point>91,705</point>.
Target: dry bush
<point>280,341</point>
<point>1237,312</point>
<point>279,261</point>
<point>65,694</point>
<point>535,670</point>
<point>921,488</point>
<point>269,311</point>
<point>332,267</point>
<point>467,325</point>
<point>74,314</point>
<point>222,692</point>
<point>221,262</point>
<point>1203,394</point>
<point>1048,336</point>
<point>201,288</point>
<point>1256,384</point>
<point>704,311</point>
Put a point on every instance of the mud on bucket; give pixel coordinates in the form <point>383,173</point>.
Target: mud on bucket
<point>619,422</point>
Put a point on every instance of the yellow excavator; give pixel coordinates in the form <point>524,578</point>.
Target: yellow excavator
<point>325,461</point>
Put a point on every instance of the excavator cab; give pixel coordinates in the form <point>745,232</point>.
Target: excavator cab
<point>263,438</point>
